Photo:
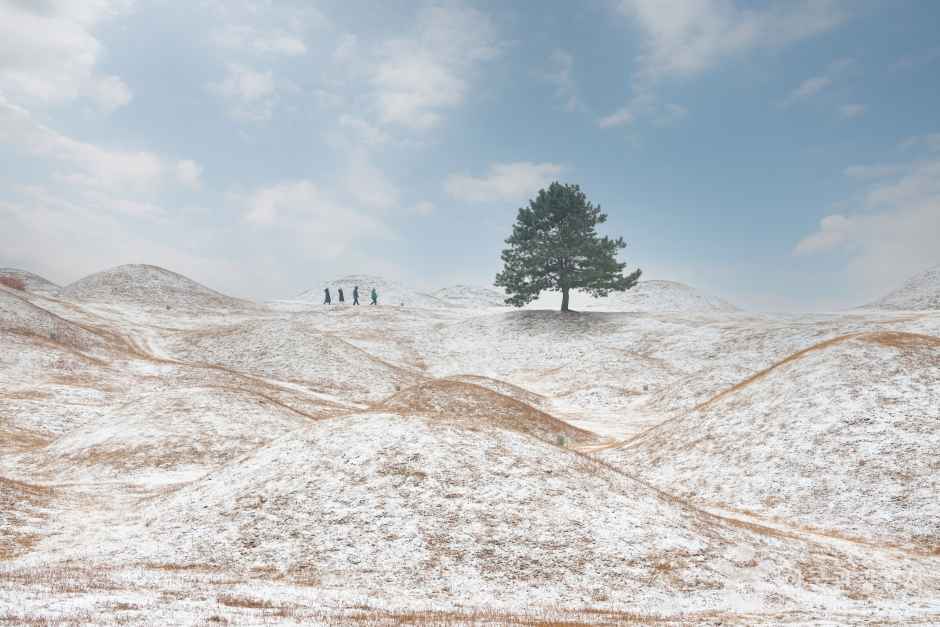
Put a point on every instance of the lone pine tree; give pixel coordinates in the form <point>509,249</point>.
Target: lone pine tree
<point>554,246</point>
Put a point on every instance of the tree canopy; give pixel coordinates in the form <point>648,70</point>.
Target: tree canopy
<point>555,246</point>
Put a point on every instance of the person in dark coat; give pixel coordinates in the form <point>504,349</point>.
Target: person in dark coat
<point>356,295</point>
<point>341,298</point>
<point>375,297</point>
<point>326,296</point>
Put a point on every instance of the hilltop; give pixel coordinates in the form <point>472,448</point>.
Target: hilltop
<point>471,296</point>
<point>919,293</point>
<point>645,297</point>
<point>148,286</point>
<point>390,292</point>
<point>32,283</point>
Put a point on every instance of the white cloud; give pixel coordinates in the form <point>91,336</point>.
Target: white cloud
<point>685,37</point>
<point>347,49</point>
<point>250,38</point>
<point>620,117</point>
<point>363,132</point>
<point>367,185</point>
<point>312,216</point>
<point>504,182</point>
<point>250,94</point>
<point>189,173</point>
<point>807,89</point>
<point>423,208</point>
<point>49,53</point>
<point>40,223</point>
<point>116,179</point>
<point>671,113</point>
<point>931,141</point>
<point>892,236</point>
<point>815,85</point>
<point>645,106</point>
<point>853,110</point>
<point>561,75</point>
<point>834,230</point>
<point>417,78</point>
<point>110,93</point>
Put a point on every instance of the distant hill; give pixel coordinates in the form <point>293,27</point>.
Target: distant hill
<point>919,293</point>
<point>646,297</point>
<point>150,286</point>
<point>390,292</point>
<point>32,283</point>
<point>471,296</point>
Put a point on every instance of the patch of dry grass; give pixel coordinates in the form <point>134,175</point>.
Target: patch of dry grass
<point>13,283</point>
<point>474,406</point>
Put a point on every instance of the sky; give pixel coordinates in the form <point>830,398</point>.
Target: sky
<point>782,155</point>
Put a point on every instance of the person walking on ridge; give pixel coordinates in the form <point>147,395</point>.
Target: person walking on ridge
<point>356,295</point>
<point>326,296</point>
<point>375,297</point>
<point>340,292</point>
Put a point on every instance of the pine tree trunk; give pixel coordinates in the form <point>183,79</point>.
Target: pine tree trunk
<point>564,299</point>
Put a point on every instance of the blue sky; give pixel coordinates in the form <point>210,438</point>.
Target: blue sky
<point>783,155</point>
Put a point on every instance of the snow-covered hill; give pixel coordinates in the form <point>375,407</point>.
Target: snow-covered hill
<point>434,463</point>
<point>19,315</point>
<point>919,293</point>
<point>290,350</point>
<point>482,408</point>
<point>644,297</point>
<point>417,513</point>
<point>168,436</point>
<point>397,294</point>
<point>32,282</point>
<point>471,296</point>
<point>390,292</point>
<point>841,436</point>
<point>150,287</point>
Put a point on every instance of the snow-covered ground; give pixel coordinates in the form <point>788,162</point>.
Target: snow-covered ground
<point>169,455</point>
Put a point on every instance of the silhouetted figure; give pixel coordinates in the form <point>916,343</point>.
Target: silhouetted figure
<point>341,298</point>
<point>356,295</point>
<point>326,296</point>
<point>375,297</point>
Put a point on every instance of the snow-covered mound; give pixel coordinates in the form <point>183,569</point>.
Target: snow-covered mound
<point>505,388</point>
<point>919,293</point>
<point>148,286</point>
<point>390,292</point>
<point>406,511</point>
<point>32,283</point>
<point>293,351</point>
<point>842,436</point>
<point>478,407</point>
<point>18,315</point>
<point>655,297</point>
<point>23,508</point>
<point>471,296</point>
<point>168,436</point>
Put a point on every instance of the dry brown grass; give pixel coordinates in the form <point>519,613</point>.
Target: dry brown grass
<point>232,600</point>
<point>475,406</point>
<point>904,341</point>
<point>13,283</point>
<point>19,501</point>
